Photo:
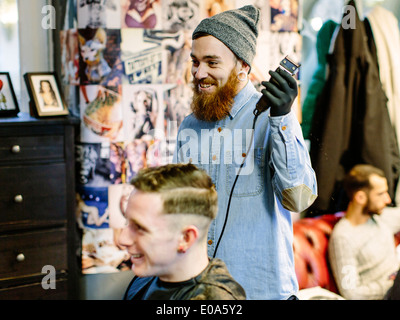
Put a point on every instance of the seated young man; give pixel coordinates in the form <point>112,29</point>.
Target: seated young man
<point>169,213</point>
<point>362,252</point>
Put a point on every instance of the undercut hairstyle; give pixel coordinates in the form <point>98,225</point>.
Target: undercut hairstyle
<point>358,178</point>
<point>184,189</point>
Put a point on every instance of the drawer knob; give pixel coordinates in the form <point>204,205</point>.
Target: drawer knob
<point>16,149</point>
<point>18,198</point>
<point>20,257</point>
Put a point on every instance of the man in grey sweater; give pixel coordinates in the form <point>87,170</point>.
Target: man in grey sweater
<point>362,252</point>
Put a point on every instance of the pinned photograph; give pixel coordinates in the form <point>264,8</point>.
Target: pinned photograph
<point>142,58</point>
<point>143,111</point>
<point>100,253</point>
<point>69,57</point>
<point>99,14</point>
<point>92,207</point>
<point>284,15</point>
<point>100,164</point>
<point>101,112</point>
<point>181,14</point>
<point>145,14</point>
<point>136,156</point>
<point>99,57</point>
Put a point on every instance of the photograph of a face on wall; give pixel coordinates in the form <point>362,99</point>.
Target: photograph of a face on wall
<point>98,14</point>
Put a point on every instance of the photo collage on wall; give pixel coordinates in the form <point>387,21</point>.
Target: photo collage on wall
<point>126,73</point>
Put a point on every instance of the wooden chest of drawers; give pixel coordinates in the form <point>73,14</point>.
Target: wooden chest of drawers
<point>37,208</point>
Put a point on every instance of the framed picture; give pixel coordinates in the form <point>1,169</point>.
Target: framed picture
<point>8,101</point>
<point>45,93</point>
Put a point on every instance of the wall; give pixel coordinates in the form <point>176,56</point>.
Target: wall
<point>35,44</point>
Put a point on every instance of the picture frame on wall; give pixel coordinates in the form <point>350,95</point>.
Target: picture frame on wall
<point>8,101</point>
<point>45,94</point>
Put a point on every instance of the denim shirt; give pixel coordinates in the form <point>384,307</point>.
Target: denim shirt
<point>277,177</point>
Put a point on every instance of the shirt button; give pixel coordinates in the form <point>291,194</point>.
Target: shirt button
<point>214,157</point>
<point>219,129</point>
<point>244,155</point>
<point>210,242</point>
<point>284,128</point>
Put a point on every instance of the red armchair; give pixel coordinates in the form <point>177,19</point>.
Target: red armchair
<point>310,245</point>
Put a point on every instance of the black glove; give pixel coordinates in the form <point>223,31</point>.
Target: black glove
<point>279,92</point>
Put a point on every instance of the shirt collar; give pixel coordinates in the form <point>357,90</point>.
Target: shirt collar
<point>242,98</point>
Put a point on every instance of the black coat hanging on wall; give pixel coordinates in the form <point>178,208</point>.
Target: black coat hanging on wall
<point>351,123</point>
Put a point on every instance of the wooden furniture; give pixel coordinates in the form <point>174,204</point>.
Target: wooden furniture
<point>37,208</point>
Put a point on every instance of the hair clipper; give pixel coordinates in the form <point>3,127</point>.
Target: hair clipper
<point>286,65</point>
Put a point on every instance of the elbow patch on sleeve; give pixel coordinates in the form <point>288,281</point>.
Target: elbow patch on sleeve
<point>298,198</point>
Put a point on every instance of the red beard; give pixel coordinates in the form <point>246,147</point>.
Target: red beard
<point>214,106</point>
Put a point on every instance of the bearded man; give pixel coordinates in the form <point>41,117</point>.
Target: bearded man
<point>254,236</point>
<point>362,251</point>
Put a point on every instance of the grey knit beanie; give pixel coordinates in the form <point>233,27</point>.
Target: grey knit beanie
<point>237,29</point>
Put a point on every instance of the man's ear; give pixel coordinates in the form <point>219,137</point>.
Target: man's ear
<point>244,67</point>
<point>361,197</point>
<point>189,236</point>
